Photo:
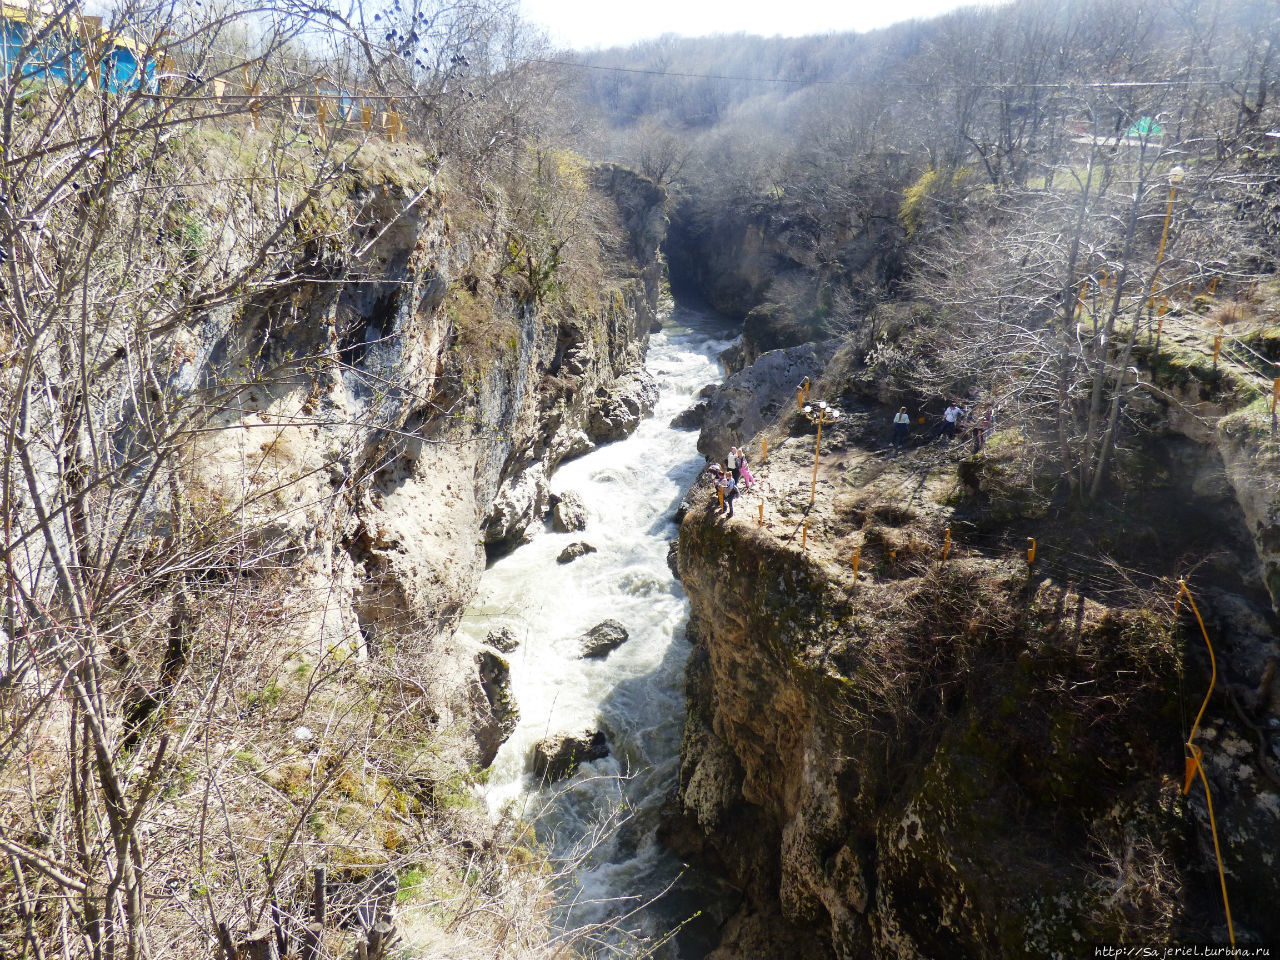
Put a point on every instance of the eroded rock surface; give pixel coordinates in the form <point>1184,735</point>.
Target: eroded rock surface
<point>691,418</point>
<point>503,714</point>
<point>559,756</point>
<point>520,504</point>
<point>942,757</point>
<point>504,639</point>
<point>755,397</point>
<point>575,550</point>
<point>602,639</point>
<point>620,408</point>
<point>569,514</point>
<point>434,411</point>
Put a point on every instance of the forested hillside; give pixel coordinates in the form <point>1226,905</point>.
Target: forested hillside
<point>924,685</point>
<point>996,167</point>
<point>300,310</point>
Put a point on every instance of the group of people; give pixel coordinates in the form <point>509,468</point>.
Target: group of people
<point>731,479</point>
<point>955,420</point>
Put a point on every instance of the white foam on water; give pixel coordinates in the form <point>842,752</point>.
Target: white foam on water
<point>631,490</point>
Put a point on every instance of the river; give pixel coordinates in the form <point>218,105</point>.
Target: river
<point>631,490</point>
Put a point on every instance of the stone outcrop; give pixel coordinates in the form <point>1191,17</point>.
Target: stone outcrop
<point>493,730</point>
<point>1252,461</point>
<point>569,514</point>
<point>602,639</point>
<point>619,408</point>
<point>691,418</point>
<point>754,262</point>
<point>947,757</point>
<point>420,441</point>
<point>520,504</point>
<point>504,639</point>
<point>557,757</point>
<point>574,550</point>
<point>756,396</point>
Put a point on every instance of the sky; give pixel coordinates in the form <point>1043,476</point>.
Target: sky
<point>583,24</point>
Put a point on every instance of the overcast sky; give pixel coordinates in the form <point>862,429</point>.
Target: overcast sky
<point>583,24</point>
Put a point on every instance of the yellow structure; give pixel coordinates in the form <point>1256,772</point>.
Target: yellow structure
<point>818,413</point>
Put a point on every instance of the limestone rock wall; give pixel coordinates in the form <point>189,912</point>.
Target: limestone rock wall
<point>427,428</point>
<point>946,761</point>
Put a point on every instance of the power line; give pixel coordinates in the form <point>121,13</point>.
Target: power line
<point>977,85</point>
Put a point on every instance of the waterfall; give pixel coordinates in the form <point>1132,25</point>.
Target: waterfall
<point>631,490</point>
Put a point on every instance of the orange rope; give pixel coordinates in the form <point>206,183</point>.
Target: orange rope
<point>1196,754</point>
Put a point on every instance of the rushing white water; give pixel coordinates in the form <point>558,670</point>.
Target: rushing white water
<point>631,490</point>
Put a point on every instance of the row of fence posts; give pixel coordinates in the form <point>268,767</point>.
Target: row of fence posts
<point>376,933</point>
<point>329,106</point>
<point>1161,307</point>
<point>1108,282</point>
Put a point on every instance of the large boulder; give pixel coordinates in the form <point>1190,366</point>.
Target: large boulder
<point>493,730</point>
<point>691,418</point>
<point>620,408</point>
<point>570,513</point>
<point>557,757</point>
<point>575,550</point>
<point>603,639</point>
<point>753,398</point>
<point>504,639</point>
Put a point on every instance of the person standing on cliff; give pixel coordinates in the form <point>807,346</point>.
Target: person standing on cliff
<point>983,429</point>
<point>745,479</point>
<point>731,462</point>
<point>901,428</point>
<point>730,494</point>
<point>949,418</point>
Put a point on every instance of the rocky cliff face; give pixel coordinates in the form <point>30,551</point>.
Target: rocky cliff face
<point>969,756</point>
<point>430,430</point>
<point>776,263</point>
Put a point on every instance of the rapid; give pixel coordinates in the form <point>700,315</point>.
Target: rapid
<point>602,822</point>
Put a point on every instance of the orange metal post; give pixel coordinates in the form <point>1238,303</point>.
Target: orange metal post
<point>764,450</point>
<point>946,544</point>
<point>1031,550</point>
<point>857,559</point>
<point>817,446</point>
<point>1164,234</point>
<point>760,520</point>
